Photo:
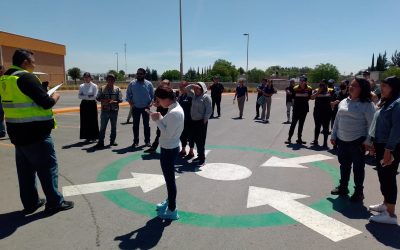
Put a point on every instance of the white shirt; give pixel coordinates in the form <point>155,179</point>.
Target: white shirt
<point>171,126</point>
<point>87,91</point>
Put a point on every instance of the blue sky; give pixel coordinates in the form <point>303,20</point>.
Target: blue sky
<point>286,33</point>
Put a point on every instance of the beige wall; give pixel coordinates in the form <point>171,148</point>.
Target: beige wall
<point>49,57</point>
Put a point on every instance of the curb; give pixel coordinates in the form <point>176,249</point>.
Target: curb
<point>76,109</point>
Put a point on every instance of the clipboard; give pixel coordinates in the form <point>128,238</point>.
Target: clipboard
<point>52,90</point>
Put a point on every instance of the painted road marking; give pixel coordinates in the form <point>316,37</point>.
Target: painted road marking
<point>224,172</point>
<point>146,182</point>
<point>295,161</point>
<point>285,203</point>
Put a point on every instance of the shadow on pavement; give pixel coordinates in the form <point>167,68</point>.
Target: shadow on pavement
<point>296,146</point>
<point>77,144</point>
<point>128,149</point>
<point>10,222</point>
<point>385,234</point>
<point>151,156</point>
<point>146,237</point>
<point>352,210</point>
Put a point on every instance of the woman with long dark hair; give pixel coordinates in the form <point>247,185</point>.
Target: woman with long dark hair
<point>385,133</point>
<point>350,132</point>
<point>88,109</point>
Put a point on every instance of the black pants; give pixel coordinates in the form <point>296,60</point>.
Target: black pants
<point>352,153</point>
<point>199,137</point>
<point>167,162</point>
<point>186,135</point>
<point>321,119</point>
<point>137,112</point>
<point>216,100</point>
<point>157,139</point>
<point>387,174</point>
<point>297,117</point>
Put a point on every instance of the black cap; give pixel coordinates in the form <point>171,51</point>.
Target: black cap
<point>366,72</point>
<point>110,75</point>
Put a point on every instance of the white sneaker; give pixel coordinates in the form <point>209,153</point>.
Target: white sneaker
<point>169,215</point>
<point>378,208</point>
<point>162,206</point>
<point>384,218</point>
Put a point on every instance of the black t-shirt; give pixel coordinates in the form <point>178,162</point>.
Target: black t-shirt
<point>216,90</point>
<point>31,132</point>
<point>301,98</point>
<point>241,91</point>
<point>186,103</point>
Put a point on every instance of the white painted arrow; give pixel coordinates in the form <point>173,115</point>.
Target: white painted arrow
<point>295,161</point>
<point>146,182</point>
<point>285,203</point>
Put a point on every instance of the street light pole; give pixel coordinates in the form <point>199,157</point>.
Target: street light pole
<point>248,38</point>
<point>180,31</point>
<point>117,61</point>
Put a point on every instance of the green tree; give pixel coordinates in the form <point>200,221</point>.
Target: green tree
<point>241,71</point>
<point>323,71</point>
<point>172,75</point>
<point>74,73</point>
<point>255,75</point>
<point>226,70</point>
<point>373,62</point>
<point>391,71</point>
<point>381,62</point>
<point>396,58</point>
<point>148,74</point>
<point>191,75</point>
<point>154,75</point>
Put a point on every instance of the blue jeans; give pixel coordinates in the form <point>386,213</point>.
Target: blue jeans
<point>167,161</point>
<point>38,158</point>
<point>104,117</point>
<point>352,153</point>
<point>137,112</point>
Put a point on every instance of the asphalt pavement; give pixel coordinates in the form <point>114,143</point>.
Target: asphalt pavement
<point>243,198</point>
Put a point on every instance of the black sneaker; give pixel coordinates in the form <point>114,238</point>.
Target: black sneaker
<point>300,141</point>
<point>256,117</point>
<point>148,144</point>
<point>135,145</point>
<point>340,191</point>
<point>99,145</point>
<point>288,141</point>
<point>357,197</point>
<point>65,205</point>
<point>30,210</point>
<point>315,143</point>
<point>150,150</point>
<point>113,143</point>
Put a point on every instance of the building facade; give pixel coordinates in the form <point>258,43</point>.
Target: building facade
<point>49,57</point>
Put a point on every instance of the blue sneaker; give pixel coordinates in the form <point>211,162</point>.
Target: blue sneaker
<point>169,215</point>
<point>162,206</point>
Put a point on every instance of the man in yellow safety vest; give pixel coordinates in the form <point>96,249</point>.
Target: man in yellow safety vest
<point>29,120</point>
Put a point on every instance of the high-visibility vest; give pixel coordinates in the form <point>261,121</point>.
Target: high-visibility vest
<point>18,107</point>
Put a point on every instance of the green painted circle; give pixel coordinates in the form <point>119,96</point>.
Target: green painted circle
<point>127,201</point>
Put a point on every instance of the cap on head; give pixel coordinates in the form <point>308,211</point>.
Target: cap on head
<point>366,72</point>
<point>110,76</point>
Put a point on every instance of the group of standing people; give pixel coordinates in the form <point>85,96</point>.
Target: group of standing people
<point>364,118</point>
<point>361,126</point>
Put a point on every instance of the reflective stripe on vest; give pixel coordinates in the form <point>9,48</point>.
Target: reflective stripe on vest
<point>18,107</point>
